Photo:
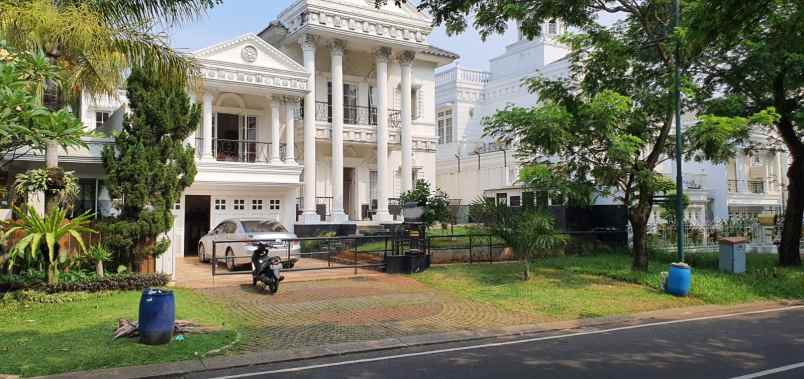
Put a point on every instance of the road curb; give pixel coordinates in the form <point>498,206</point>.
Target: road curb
<point>167,370</point>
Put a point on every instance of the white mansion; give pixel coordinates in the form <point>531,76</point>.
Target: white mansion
<point>324,117</point>
<point>470,165</point>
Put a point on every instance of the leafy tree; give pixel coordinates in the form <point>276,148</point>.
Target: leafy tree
<point>44,233</point>
<point>26,125</point>
<point>96,42</point>
<point>435,204</point>
<point>529,233</point>
<point>611,122</point>
<point>149,166</point>
<point>752,61</point>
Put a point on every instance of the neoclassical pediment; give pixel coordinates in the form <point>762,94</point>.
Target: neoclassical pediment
<point>249,50</point>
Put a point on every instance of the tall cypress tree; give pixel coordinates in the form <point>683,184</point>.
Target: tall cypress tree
<point>149,166</point>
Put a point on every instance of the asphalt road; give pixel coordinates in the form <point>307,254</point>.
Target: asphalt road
<point>740,345</point>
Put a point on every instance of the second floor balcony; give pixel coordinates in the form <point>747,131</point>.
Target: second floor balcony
<point>244,151</point>
<point>356,115</point>
<point>753,186</point>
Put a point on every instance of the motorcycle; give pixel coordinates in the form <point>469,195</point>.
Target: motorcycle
<point>265,269</point>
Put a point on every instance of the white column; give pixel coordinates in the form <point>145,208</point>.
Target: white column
<point>336,53</point>
<point>739,172</point>
<point>308,207</point>
<point>275,137</point>
<point>406,63</point>
<point>207,126</point>
<point>290,119</point>
<point>190,141</point>
<point>383,55</point>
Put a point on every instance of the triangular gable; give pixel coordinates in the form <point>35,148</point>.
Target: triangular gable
<point>249,49</point>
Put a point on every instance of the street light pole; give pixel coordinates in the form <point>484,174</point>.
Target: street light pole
<point>679,140</point>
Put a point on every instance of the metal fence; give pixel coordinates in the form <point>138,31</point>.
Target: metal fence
<point>466,247</point>
<point>348,252</point>
<point>706,237</point>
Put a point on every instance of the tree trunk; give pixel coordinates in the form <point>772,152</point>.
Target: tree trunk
<point>51,161</point>
<point>639,224</point>
<point>52,274</point>
<point>526,273</point>
<point>789,248</point>
<point>99,269</point>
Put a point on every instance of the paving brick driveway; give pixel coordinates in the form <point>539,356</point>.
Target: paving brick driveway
<point>355,309</point>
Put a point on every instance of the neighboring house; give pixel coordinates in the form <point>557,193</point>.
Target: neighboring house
<point>471,165</point>
<point>323,118</point>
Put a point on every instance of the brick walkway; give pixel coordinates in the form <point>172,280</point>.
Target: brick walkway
<point>320,312</point>
<point>190,273</point>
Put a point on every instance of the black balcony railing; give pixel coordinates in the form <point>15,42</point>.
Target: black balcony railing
<point>356,114</point>
<point>230,150</point>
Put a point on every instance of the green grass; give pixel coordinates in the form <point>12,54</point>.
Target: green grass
<point>41,339</point>
<point>573,287</point>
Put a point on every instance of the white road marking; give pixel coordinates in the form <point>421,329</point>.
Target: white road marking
<point>771,371</point>
<point>517,342</point>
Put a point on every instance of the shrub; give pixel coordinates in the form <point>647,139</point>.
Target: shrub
<point>25,297</point>
<point>82,282</point>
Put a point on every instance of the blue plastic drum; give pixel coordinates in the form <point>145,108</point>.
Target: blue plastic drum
<point>157,316</point>
<point>679,279</point>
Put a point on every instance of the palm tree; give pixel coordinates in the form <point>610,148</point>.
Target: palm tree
<point>96,42</point>
<point>530,233</point>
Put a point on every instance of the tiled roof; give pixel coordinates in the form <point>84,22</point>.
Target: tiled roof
<point>432,50</point>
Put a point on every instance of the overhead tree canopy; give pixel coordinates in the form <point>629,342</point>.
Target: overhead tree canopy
<point>611,121</point>
<point>97,42</point>
<point>751,62</point>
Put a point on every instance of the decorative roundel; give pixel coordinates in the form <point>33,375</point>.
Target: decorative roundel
<point>249,53</point>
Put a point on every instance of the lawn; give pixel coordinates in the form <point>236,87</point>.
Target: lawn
<point>40,339</point>
<point>573,287</point>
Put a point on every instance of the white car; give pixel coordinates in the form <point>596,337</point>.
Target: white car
<point>274,234</point>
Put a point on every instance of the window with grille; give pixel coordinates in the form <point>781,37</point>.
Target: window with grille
<point>220,204</point>
<point>256,204</point>
<point>273,205</point>
<point>445,134</point>
<point>239,204</point>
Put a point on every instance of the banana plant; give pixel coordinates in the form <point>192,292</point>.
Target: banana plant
<point>44,233</point>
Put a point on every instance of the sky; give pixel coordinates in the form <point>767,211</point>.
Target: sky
<point>236,17</point>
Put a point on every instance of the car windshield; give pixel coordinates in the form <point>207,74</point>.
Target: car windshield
<point>263,227</point>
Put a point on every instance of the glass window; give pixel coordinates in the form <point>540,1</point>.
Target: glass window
<point>86,196</point>
<point>552,27</point>
<point>349,103</point>
<point>220,204</point>
<point>273,204</point>
<point>515,201</point>
<point>239,204</point>
<point>263,227</point>
<point>100,118</point>
<point>373,185</point>
<point>445,132</point>
<point>256,204</point>
<point>502,198</point>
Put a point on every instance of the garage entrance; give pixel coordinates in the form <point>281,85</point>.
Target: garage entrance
<point>196,221</point>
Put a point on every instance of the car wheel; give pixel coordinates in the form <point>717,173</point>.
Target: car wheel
<point>202,256</point>
<point>230,260</point>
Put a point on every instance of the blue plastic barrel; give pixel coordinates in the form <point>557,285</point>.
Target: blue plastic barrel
<point>679,279</point>
<point>157,316</point>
